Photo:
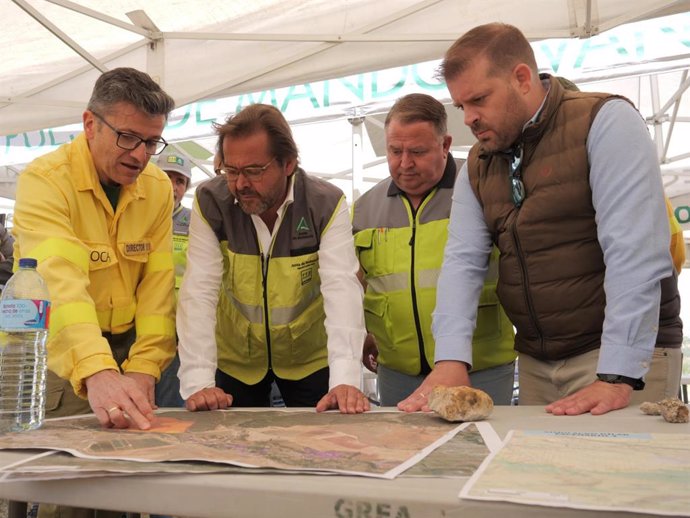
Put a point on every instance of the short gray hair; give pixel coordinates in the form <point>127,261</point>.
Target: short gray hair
<point>131,86</point>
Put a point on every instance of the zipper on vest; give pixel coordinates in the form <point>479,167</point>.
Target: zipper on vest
<point>425,368</point>
<point>528,294</point>
<point>264,275</point>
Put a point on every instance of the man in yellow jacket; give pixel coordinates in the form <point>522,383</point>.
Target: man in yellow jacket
<point>97,217</point>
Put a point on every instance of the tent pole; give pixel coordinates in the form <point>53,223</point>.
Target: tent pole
<point>356,121</point>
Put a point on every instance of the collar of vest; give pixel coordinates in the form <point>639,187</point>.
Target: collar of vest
<point>447,181</point>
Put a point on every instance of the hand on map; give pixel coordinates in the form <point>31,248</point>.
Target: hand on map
<point>147,384</point>
<point>212,398</point>
<point>598,398</point>
<point>446,373</point>
<point>346,398</point>
<point>118,400</point>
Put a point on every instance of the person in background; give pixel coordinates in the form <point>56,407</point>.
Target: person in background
<point>97,217</point>
<point>270,292</point>
<point>179,170</point>
<point>567,185</point>
<point>677,241</point>
<point>401,227</point>
<point>6,255</point>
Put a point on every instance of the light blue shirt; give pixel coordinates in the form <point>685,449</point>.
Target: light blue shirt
<point>632,228</point>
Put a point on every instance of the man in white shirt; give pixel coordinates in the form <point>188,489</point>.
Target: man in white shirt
<point>270,292</point>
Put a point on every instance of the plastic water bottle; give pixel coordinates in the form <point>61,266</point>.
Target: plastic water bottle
<point>24,317</point>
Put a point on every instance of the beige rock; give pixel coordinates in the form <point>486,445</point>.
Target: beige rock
<point>673,410</point>
<point>461,403</point>
<point>650,408</point>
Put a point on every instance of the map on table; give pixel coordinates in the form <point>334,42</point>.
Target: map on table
<point>641,473</point>
<point>458,457</point>
<point>377,444</point>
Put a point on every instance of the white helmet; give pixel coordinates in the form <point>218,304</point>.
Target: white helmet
<point>176,163</point>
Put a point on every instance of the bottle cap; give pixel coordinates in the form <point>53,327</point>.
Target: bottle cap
<point>28,262</point>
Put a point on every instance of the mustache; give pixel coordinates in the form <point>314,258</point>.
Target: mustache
<point>134,163</point>
<point>476,127</point>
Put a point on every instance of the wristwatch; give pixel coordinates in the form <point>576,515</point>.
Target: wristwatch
<point>636,384</point>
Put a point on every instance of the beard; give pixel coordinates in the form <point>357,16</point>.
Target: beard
<point>260,203</point>
<point>510,128</point>
<point>254,206</point>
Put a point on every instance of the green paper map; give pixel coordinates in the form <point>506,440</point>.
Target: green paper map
<point>641,472</point>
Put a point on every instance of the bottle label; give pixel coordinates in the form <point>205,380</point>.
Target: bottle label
<point>24,314</point>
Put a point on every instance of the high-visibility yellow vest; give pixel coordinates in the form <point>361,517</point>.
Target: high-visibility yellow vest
<point>270,310</point>
<point>677,241</point>
<point>181,216</point>
<point>401,252</point>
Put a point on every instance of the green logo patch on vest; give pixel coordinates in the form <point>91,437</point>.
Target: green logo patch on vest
<point>302,227</point>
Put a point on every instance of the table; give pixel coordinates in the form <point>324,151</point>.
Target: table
<point>262,495</point>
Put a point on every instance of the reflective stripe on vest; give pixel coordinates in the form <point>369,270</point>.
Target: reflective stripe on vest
<point>253,313</point>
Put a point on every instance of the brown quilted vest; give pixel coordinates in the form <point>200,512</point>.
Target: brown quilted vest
<point>551,268</point>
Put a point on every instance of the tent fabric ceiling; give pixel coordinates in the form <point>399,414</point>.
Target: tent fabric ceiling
<point>55,49</point>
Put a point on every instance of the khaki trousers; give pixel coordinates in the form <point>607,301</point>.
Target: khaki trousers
<point>543,382</point>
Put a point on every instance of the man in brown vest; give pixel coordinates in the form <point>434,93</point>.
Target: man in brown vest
<point>567,186</point>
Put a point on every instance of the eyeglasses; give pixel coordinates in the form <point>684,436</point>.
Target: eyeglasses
<point>517,188</point>
<point>130,142</point>
<point>252,173</point>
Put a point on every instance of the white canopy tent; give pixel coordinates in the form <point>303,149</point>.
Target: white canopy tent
<point>55,49</point>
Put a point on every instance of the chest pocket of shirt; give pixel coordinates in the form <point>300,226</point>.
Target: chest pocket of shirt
<point>136,250</point>
<point>101,256</point>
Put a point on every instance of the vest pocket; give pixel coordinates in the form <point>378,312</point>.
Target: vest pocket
<point>363,249</point>
<point>308,334</point>
<point>377,249</point>
<point>375,304</point>
<point>378,321</point>
<point>233,336</point>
